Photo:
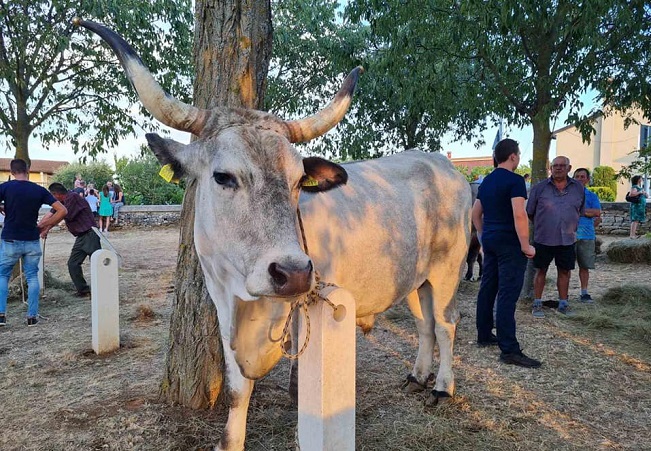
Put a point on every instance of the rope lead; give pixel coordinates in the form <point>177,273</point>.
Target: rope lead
<point>303,301</point>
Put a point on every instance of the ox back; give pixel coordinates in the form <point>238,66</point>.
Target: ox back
<point>380,235</point>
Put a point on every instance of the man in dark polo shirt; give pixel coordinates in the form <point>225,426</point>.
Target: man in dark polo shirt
<point>22,201</point>
<point>80,223</point>
<point>555,205</point>
<point>501,222</point>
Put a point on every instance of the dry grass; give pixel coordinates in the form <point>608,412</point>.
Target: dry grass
<point>625,311</point>
<point>145,313</point>
<point>591,393</point>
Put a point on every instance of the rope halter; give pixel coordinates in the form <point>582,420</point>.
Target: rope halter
<point>302,302</point>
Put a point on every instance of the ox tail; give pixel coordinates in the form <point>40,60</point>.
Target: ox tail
<point>311,127</point>
<point>162,106</point>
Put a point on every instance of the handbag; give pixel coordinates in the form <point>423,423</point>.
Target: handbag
<point>633,199</point>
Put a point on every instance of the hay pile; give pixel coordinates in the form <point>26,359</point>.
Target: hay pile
<point>630,251</point>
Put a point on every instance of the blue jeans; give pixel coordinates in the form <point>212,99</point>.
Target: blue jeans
<point>116,209</point>
<point>501,282</point>
<point>10,252</point>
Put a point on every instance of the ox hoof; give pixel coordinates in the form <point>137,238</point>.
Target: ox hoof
<point>437,398</point>
<point>411,385</point>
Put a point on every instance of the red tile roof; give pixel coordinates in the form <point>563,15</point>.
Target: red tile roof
<point>472,162</point>
<point>45,166</point>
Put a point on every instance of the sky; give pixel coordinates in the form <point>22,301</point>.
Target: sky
<point>130,147</point>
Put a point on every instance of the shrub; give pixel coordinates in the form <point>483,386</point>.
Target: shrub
<point>604,176</point>
<point>604,193</point>
<point>97,172</point>
<point>142,185</point>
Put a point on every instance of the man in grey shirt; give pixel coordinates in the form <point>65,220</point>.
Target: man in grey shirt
<point>554,206</point>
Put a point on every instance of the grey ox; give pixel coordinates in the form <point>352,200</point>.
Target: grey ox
<point>394,228</point>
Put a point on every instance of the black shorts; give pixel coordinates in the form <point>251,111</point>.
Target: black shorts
<point>563,256</point>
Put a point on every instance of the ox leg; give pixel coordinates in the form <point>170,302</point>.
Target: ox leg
<point>444,286</point>
<point>239,394</point>
<point>420,304</point>
<point>474,255</point>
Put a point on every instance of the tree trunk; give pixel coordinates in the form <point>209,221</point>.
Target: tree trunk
<point>542,138</point>
<point>232,50</point>
<point>21,134</point>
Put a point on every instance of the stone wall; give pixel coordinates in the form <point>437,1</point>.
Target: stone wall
<point>616,219</point>
<point>145,215</point>
<point>149,215</point>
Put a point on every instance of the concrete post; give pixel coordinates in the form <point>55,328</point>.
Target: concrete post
<point>105,301</point>
<point>326,387</point>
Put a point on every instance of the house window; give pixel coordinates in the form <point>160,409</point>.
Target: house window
<point>645,135</point>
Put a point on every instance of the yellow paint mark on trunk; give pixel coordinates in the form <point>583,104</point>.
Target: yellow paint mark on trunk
<point>246,87</point>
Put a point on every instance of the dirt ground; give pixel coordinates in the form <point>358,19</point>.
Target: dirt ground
<point>592,392</point>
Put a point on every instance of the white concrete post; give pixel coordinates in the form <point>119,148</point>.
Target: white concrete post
<point>326,376</point>
<point>105,308</point>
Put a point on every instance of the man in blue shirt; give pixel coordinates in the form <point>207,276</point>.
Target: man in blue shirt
<point>503,228</point>
<point>20,234</point>
<point>585,234</point>
<point>555,205</point>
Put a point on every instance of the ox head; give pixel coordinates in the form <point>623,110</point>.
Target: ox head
<point>248,177</point>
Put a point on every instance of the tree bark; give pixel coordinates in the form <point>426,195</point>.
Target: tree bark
<point>232,50</point>
<point>542,138</point>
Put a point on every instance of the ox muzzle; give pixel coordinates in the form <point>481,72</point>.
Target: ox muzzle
<point>289,280</point>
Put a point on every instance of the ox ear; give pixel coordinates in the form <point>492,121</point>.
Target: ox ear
<point>322,175</point>
<point>170,152</point>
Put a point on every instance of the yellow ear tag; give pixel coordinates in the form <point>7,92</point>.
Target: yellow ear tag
<point>167,173</point>
<point>310,181</point>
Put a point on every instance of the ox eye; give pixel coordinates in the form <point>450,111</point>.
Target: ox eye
<point>225,179</point>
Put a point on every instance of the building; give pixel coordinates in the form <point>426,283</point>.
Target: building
<point>612,145</point>
<point>471,162</point>
<point>40,171</point>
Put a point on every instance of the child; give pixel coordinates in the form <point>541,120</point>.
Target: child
<point>105,209</point>
<point>93,201</point>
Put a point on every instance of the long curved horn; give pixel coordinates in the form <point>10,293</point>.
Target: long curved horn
<point>162,106</point>
<point>316,125</point>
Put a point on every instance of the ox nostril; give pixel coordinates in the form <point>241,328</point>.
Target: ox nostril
<point>289,280</point>
<point>278,274</point>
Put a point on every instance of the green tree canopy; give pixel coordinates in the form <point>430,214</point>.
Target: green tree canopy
<point>641,165</point>
<point>313,50</point>
<point>63,88</point>
<point>525,61</point>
